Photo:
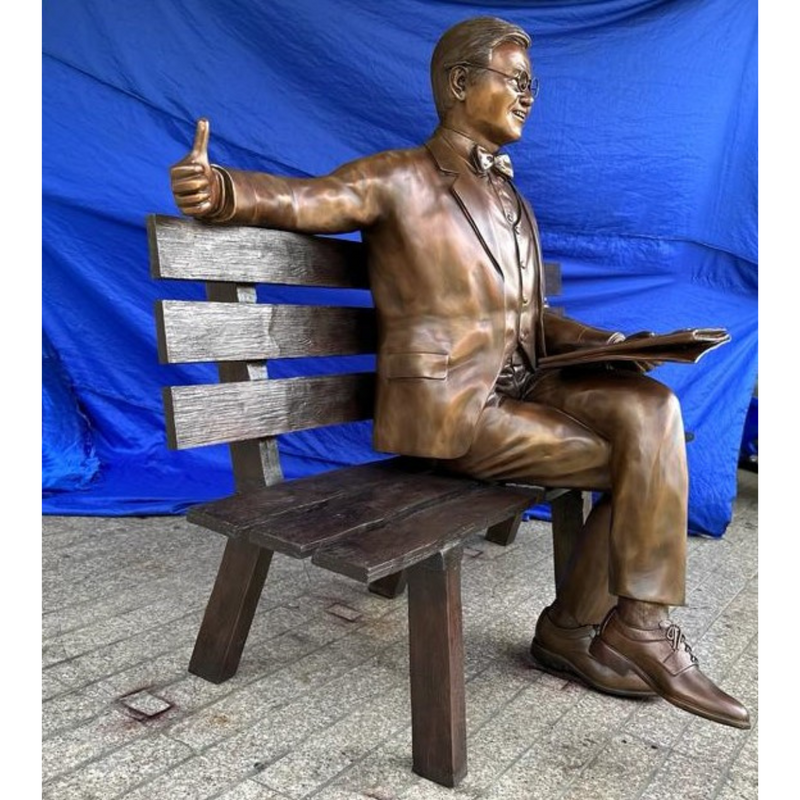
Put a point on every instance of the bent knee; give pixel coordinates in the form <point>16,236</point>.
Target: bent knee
<point>662,404</point>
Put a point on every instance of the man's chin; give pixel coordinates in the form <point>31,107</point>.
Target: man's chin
<point>514,135</point>
<point>514,132</point>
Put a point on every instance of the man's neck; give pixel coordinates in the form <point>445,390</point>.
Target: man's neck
<point>462,125</point>
<point>461,143</point>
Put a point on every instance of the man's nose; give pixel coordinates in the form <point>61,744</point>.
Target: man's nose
<point>526,98</point>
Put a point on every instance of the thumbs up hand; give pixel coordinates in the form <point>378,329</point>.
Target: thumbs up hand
<point>195,186</point>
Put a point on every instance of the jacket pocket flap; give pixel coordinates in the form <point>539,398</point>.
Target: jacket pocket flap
<point>414,365</point>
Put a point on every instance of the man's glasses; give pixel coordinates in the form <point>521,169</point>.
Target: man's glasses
<point>522,83</point>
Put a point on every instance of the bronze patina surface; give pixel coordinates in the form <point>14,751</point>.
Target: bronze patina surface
<point>456,277</point>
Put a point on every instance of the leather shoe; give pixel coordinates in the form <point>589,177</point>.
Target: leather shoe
<point>664,660</point>
<point>565,651</point>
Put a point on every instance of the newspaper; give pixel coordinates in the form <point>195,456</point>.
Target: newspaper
<point>686,346</point>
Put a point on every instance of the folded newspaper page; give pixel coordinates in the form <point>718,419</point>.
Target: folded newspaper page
<point>685,346</point>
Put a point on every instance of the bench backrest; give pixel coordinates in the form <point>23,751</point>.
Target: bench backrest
<point>241,335</point>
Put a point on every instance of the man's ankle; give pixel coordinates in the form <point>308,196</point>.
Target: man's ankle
<point>640,613</point>
<point>562,618</point>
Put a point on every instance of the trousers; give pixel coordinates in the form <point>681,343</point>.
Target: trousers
<point>617,432</point>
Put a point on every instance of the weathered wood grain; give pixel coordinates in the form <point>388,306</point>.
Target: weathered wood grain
<point>568,512</point>
<point>185,249</point>
<point>359,501</point>
<point>359,507</point>
<point>436,668</point>
<point>504,532</point>
<point>255,462</point>
<point>202,331</point>
<point>370,555</point>
<point>229,412</point>
<point>229,613</point>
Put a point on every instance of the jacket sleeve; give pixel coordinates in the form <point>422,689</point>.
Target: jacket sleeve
<point>352,197</point>
<point>563,335</point>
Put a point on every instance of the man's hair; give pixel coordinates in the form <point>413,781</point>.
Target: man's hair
<point>473,41</point>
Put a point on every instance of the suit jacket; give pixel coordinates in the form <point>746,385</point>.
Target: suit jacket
<point>436,259</point>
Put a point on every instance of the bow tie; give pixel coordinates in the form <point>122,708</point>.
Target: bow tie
<point>484,161</point>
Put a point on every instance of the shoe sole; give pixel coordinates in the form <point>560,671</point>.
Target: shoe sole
<point>612,658</point>
<point>564,669</point>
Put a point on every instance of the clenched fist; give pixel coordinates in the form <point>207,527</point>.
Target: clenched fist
<point>195,185</point>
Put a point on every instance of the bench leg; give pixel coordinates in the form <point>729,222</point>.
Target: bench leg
<point>391,586</point>
<point>436,656</point>
<point>230,611</point>
<point>504,532</point>
<point>568,513</point>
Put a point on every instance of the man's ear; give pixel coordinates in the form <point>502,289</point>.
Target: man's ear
<point>457,82</point>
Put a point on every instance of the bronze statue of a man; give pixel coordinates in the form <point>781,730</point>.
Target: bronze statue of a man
<point>456,275</point>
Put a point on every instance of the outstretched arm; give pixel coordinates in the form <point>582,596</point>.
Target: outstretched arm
<point>348,199</point>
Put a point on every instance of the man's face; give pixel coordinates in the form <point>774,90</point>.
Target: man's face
<point>493,106</point>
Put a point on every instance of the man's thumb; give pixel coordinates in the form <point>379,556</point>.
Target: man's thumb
<point>200,146</point>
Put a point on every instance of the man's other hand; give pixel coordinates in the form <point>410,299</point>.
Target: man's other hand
<point>643,366</point>
<point>195,185</point>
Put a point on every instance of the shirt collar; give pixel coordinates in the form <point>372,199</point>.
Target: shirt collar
<point>460,143</point>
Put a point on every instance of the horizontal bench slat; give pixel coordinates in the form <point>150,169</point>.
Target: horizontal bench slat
<point>231,412</point>
<point>370,555</point>
<point>297,517</point>
<point>184,249</point>
<point>205,331</point>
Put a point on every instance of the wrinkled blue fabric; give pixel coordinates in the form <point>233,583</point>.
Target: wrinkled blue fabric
<point>640,159</point>
<point>69,460</point>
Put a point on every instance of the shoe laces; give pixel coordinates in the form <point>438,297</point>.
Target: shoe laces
<point>678,641</point>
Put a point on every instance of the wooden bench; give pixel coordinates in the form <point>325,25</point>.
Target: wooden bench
<point>387,524</point>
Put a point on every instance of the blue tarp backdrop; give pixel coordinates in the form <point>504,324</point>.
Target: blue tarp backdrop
<point>640,159</point>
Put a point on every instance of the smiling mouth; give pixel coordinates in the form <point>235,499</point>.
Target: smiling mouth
<point>520,115</point>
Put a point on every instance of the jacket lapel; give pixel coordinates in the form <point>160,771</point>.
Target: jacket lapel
<point>469,194</point>
<point>538,267</point>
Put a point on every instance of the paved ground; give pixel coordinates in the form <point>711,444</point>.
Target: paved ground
<point>320,707</point>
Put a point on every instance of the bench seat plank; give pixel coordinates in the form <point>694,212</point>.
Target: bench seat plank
<point>235,516</point>
<point>370,555</point>
<point>296,517</point>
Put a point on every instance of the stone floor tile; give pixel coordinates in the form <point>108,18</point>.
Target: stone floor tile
<point>619,771</point>
<point>250,790</point>
<point>686,777</point>
<point>319,707</point>
<point>321,757</point>
<point>113,775</point>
